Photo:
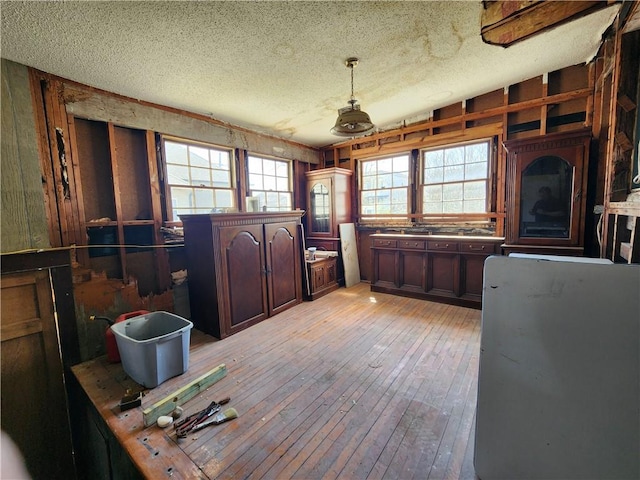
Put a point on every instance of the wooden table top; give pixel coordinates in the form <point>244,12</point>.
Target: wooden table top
<point>156,452</point>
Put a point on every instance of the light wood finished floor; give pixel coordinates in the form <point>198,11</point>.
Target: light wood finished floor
<point>353,385</point>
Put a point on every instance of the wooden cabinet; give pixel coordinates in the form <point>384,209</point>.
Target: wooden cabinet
<point>323,276</point>
<point>546,193</point>
<point>39,344</point>
<point>329,205</point>
<point>438,268</point>
<point>242,268</point>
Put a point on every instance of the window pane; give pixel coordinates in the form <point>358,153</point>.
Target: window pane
<point>474,206</point>
<point>282,169</point>
<point>269,167</point>
<point>454,156</point>
<point>219,159</point>
<point>255,165</point>
<point>452,207</point>
<point>432,207</point>
<point>282,184</point>
<point>434,159</point>
<point>475,170</point>
<point>477,153</point>
<point>269,183</point>
<point>369,168</point>
<point>255,181</point>
<point>368,183</point>
<point>385,180</point>
<point>385,165</point>
<point>224,199</point>
<point>452,192</point>
<point>203,198</point>
<point>433,175</point>
<point>433,193</point>
<point>221,179</point>
<point>453,173</point>
<point>400,179</point>
<point>401,164</point>
<point>285,201</point>
<point>175,153</point>
<point>368,198</point>
<point>198,157</point>
<point>272,200</point>
<point>201,177</point>
<point>181,197</point>
<point>399,195</point>
<point>475,190</point>
<point>177,175</point>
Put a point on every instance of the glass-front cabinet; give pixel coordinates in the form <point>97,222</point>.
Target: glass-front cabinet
<point>329,202</point>
<point>546,193</point>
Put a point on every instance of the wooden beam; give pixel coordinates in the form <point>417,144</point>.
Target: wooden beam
<point>182,395</point>
<point>505,22</point>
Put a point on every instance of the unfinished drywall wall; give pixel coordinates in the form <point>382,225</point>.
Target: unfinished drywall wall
<point>24,220</point>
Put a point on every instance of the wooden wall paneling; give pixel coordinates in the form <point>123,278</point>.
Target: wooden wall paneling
<point>117,194</point>
<point>82,254</point>
<point>161,254</point>
<point>63,172</point>
<point>37,84</point>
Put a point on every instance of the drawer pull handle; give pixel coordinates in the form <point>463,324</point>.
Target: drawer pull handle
<point>446,245</point>
<point>471,247</point>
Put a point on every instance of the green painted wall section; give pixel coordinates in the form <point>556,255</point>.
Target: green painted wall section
<point>22,209</point>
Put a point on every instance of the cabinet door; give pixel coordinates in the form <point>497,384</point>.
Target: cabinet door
<point>471,271</point>
<point>413,271</point>
<point>384,268</point>
<point>443,274</point>
<point>243,269</point>
<point>321,208</point>
<point>34,408</point>
<point>283,266</point>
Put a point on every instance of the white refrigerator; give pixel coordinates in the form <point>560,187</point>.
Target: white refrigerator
<point>559,378</point>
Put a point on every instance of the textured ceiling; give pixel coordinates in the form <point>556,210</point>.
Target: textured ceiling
<point>278,67</point>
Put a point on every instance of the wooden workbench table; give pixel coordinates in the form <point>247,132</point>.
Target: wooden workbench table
<point>155,452</point>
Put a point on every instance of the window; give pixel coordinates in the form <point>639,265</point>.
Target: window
<point>455,179</point>
<point>384,186</point>
<point>270,181</point>
<point>199,179</point>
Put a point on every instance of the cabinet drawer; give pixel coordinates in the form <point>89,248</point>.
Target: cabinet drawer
<point>477,247</point>
<point>446,245</point>
<point>412,244</point>
<point>383,242</point>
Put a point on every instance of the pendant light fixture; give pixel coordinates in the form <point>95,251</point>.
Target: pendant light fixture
<point>352,121</point>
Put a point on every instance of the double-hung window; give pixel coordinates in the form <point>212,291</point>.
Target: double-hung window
<point>455,179</point>
<point>270,181</point>
<point>384,186</point>
<point>199,178</point>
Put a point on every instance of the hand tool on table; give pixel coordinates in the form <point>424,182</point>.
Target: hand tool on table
<point>183,427</point>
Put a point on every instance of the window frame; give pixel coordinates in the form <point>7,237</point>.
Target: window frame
<point>290,181</point>
<point>415,216</point>
<point>420,183</point>
<point>391,217</point>
<point>167,203</point>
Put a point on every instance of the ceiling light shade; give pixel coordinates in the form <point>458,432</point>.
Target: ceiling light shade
<point>351,120</point>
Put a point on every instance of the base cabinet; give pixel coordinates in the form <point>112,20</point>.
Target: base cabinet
<point>242,268</point>
<point>439,268</point>
<point>323,276</point>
